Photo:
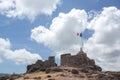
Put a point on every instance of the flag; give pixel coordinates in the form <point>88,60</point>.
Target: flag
<point>79,34</point>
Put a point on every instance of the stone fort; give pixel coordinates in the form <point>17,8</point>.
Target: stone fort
<point>80,60</point>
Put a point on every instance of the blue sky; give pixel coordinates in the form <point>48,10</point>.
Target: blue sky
<point>29,28</point>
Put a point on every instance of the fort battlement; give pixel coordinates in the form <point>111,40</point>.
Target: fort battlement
<point>79,60</point>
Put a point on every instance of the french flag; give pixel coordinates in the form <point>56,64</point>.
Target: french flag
<point>79,34</point>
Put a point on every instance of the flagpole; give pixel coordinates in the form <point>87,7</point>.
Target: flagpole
<point>80,35</point>
<point>81,48</point>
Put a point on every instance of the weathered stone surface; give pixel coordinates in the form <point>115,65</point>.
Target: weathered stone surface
<point>74,71</point>
<point>53,70</point>
<point>42,65</point>
<point>106,77</point>
<point>79,61</point>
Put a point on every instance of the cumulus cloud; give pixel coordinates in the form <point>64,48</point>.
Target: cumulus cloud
<point>61,35</point>
<point>103,45</point>
<point>21,56</point>
<point>27,8</point>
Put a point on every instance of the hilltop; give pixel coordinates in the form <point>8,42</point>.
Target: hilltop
<point>72,67</point>
<point>70,73</point>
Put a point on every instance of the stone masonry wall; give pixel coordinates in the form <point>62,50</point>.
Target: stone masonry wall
<point>65,59</point>
<point>79,61</point>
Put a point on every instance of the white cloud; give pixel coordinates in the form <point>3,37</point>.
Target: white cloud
<point>21,56</point>
<point>4,44</point>
<point>103,45</point>
<point>61,36</point>
<point>27,8</point>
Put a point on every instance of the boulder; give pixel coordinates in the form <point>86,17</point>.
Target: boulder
<point>74,71</point>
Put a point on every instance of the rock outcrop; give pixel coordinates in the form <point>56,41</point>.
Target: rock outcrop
<point>42,65</point>
<point>79,61</point>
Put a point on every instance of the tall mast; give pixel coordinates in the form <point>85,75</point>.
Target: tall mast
<point>81,48</point>
<point>80,35</point>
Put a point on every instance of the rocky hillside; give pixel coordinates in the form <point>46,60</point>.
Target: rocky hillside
<point>70,73</point>
<point>73,67</point>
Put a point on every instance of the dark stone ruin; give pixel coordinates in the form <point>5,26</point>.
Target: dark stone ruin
<point>42,65</point>
<point>79,60</point>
